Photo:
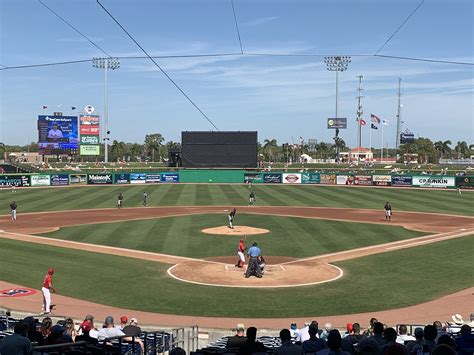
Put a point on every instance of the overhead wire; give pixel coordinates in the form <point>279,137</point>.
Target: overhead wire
<point>46,64</point>
<point>237,27</point>
<point>399,27</point>
<point>423,59</point>
<point>158,66</point>
<point>74,28</point>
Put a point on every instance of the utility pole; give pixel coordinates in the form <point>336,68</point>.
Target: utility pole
<point>399,115</point>
<point>360,112</point>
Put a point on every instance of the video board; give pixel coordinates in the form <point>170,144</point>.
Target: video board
<point>57,134</point>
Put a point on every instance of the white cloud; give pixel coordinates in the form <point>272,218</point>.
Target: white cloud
<point>260,21</point>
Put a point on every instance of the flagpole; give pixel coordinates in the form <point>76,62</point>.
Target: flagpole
<point>370,138</point>
<point>381,151</point>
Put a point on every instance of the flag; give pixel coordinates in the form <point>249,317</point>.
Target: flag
<point>45,107</point>
<point>362,122</point>
<point>73,108</point>
<point>385,122</point>
<point>373,126</point>
<point>374,118</point>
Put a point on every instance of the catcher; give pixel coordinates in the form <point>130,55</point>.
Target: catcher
<point>240,252</point>
<point>231,218</point>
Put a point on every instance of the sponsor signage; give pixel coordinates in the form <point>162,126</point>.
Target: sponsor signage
<point>40,180</point>
<point>345,180</point>
<point>90,149</point>
<point>14,180</point>
<point>382,180</point>
<point>89,120</point>
<point>169,177</point>
<point>99,179</point>
<point>77,179</point>
<point>122,178</point>
<point>337,123</point>
<point>401,180</point>
<point>93,130</point>
<point>310,178</point>
<point>272,178</point>
<point>152,178</point>
<point>88,139</point>
<point>253,177</point>
<point>292,178</point>
<point>363,180</point>
<point>59,179</point>
<point>465,182</point>
<point>433,181</point>
<point>137,178</point>
<point>328,179</point>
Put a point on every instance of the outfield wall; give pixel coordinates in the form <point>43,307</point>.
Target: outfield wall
<point>236,176</point>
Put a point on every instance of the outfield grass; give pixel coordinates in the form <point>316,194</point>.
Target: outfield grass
<point>377,282</point>
<point>67,198</point>
<point>289,236</point>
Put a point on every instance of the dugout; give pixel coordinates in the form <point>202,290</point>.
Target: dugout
<point>229,149</point>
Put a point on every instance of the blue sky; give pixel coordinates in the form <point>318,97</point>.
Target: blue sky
<point>280,97</point>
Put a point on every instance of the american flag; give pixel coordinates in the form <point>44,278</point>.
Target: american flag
<point>374,118</point>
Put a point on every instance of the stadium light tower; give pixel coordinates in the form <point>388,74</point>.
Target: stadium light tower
<point>106,63</point>
<point>337,64</point>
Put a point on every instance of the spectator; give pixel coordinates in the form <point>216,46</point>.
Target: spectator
<point>33,334</point>
<point>443,350</point>
<point>417,345</point>
<point>446,339</point>
<point>349,330</point>
<point>69,326</point>
<point>133,329</point>
<point>324,334</point>
<point>368,346</point>
<point>123,322</point>
<point>93,333</point>
<point>85,329</point>
<point>378,334</point>
<point>238,339</point>
<point>465,342</point>
<point>439,328</point>
<point>313,344</point>
<point>370,328</point>
<point>356,337</point>
<point>334,344</point>
<point>430,332</point>
<point>251,345</point>
<point>304,332</point>
<point>294,331</point>
<point>45,329</point>
<point>58,335</point>
<point>109,330</point>
<point>17,343</point>
<point>178,351</point>
<point>392,347</point>
<point>403,337</point>
<point>287,347</point>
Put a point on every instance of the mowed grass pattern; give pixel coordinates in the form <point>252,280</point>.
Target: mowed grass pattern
<point>67,198</point>
<point>377,282</point>
<point>289,236</point>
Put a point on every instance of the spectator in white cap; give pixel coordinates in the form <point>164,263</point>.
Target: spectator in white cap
<point>238,339</point>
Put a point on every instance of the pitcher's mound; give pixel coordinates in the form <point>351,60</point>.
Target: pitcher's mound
<point>238,230</point>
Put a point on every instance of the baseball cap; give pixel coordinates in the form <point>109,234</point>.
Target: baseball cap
<point>123,319</point>
<point>109,320</point>
<point>89,317</point>
<point>51,271</point>
<point>240,326</point>
<point>57,329</point>
<point>134,320</point>
<point>86,326</point>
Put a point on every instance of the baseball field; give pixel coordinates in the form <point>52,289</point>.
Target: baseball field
<point>329,249</point>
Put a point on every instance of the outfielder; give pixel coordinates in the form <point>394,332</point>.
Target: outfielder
<point>388,212</point>
<point>231,218</point>
<point>145,199</point>
<point>46,290</point>
<point>119,200</point>
<point>251,199</point>
<point>240,252</point>
<point>13,207</point>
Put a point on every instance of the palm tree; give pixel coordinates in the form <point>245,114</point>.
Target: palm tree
<point>461,149</point>
<point>443,147</point>
<point>153,143</point>
<point>270,146</point>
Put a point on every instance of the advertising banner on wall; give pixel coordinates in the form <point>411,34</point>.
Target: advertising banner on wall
<point>401,180</point>
<point>382,180</point>
<point>433,181</point>
<point>89,139</point>
<point>99,179</point>
<point>253,177</point>
<point>121,178</point>
<point>40,180</point>
<point>292,178</point>
<point>137,178</point>
<point>465,182</point>
<point>272,178</point>
<point>345,180</point>
<point>153,178</point>
<point>169,177</point>
<point>310,178</point>
<point>328,179</point>
<point>365,180</point>
<point>59,179</point>
<point>14,180</point>
<point>75,179</point>
<point>90,149</point>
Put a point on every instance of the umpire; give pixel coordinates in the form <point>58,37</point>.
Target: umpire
<point>253,268</point>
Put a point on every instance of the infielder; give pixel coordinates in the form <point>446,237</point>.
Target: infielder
<point>119,200</point>
<point>231,218</point>
<point>240,252</point>
<point>388,212</point>
<point>251,199</point>
<point>46,290</point>
<point>13,207</point>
